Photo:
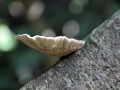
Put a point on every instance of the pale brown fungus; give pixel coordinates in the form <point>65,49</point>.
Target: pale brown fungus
<point>56,46</point>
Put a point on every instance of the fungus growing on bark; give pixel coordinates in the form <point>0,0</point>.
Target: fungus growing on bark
<point>56,46</point>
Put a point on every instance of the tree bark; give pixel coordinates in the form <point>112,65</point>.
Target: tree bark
<point>94,67</point>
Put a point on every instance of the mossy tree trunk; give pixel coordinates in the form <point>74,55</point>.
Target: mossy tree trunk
<point>95,67</point>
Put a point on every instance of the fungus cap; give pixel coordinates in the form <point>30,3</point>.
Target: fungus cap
<point>56,46</point>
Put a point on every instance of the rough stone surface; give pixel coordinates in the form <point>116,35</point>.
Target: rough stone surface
<point>95,67</point>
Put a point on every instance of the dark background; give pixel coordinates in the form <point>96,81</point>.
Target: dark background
<point>72,18</point>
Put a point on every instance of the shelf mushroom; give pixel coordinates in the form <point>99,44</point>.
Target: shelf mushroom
<point>56,46</point>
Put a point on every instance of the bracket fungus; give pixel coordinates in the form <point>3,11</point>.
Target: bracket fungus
<point>56,46</point>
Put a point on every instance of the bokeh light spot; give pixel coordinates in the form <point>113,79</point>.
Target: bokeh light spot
<point>85,2</point>
<point>16,9</point>
<point>7,39</point>
<point>35,10</point>
<point>75,6</point>
<point>71,28</point>
<point>48,33</point>
<point>24,73</point>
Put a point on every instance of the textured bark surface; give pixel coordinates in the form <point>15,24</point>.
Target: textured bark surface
<point>95,67</point>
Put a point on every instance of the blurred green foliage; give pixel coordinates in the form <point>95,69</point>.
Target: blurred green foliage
<point>73,18</point>
<point>7,38</point>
